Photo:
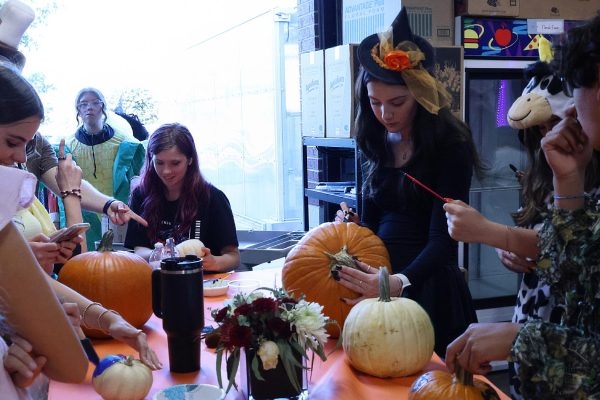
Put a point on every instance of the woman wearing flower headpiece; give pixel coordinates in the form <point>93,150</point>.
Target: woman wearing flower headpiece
<point>404,126</point>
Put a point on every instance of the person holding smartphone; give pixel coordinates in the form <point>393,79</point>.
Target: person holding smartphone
<point>37,227</point>
<point>21,112</point>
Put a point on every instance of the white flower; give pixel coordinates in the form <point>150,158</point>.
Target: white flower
<point>269,354</point>
<point>310,323</point>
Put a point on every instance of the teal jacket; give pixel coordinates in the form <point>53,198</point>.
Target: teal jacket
<point>128,164</point>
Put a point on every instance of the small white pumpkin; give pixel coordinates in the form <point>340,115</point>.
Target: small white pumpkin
<point>190,246</point>
<point>388,337</point>
<point>118,377</point>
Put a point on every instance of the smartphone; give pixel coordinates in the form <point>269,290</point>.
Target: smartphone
<point>70,232</point>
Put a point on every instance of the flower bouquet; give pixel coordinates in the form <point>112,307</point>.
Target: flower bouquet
<point>274,329</point>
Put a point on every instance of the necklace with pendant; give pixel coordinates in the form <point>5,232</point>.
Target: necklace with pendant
<point>401,143</point>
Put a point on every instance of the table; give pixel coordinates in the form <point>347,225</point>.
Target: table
<point>332,379</point>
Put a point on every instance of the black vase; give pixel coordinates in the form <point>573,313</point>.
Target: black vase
<point>276,383</point>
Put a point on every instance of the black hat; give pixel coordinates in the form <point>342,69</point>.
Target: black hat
<point>398,57</point>
<point>370,49</point>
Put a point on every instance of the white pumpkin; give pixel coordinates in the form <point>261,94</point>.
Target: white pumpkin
<point>122,378</point>
<point>388,337</point>
<point>190,246</point>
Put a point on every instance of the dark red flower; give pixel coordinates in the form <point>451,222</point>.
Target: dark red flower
<point>234,335</point>
<point>290,300</point>
<point>220,315</point>
<point>243,309</point>
<point>264,305</point>
<point>279,327</point>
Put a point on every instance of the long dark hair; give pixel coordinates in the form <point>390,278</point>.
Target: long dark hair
<point>442,129</point>
<point>196,188</point>
<point>537,179</point>
<point>18,99</point>
<point>577,55</point>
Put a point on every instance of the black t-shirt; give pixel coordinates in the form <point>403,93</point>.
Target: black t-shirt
<point>214,224</point>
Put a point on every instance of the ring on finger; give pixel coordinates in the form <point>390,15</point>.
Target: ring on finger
<point>62,158</point>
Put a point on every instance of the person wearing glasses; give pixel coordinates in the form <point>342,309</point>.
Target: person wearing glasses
<point>21,113</point>
<point>558,360</point>
<point>108,157</point>
<point>41,158</point>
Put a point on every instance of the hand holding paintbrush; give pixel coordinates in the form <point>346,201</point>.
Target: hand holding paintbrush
<point>346,214</point>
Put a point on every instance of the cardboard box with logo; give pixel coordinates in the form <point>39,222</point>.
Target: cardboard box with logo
<point>561,9</point>
<point>497,8</point>
<point>341,67</point>
<point>312,100</point>
<point>431,19</point>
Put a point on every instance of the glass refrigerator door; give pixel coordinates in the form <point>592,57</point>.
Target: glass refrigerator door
<point>489,93</point>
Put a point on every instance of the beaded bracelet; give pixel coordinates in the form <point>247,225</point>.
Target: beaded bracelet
<point>573,197</point>
<point>74,192</point>
<point>85,310</point>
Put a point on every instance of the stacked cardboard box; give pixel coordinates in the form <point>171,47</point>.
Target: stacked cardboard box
<point>497,8</point>
<point>312,100</point>
<point>559,9</point>
<point>545,9</point>
<point>341,67</point>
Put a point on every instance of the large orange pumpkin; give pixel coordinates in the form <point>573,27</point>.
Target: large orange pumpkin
<point>307,267</point>
<point>118,280</point>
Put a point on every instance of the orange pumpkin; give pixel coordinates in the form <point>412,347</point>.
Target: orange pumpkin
<point>441,385</point>
<point>118,280</point>
<point>308,266</point>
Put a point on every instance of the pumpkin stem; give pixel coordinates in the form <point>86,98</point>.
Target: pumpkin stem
<point>463,376</point>
<point>341,258</point>
<point>106,243</point>
<point>128,360</point>
<point>384,285</point>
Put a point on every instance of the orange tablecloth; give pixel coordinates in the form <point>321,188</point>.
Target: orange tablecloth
<point>332,379</point>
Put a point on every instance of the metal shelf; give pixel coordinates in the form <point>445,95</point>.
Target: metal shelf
<point>331,197</point>
<point>334,154</point>
<point>347,143</point>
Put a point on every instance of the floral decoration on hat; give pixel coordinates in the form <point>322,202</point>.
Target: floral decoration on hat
<point>399,57</point>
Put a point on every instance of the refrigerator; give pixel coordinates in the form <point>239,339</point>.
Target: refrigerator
<point>496,50</point>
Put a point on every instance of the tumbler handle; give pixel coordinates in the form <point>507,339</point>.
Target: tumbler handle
<point>156,293</point>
